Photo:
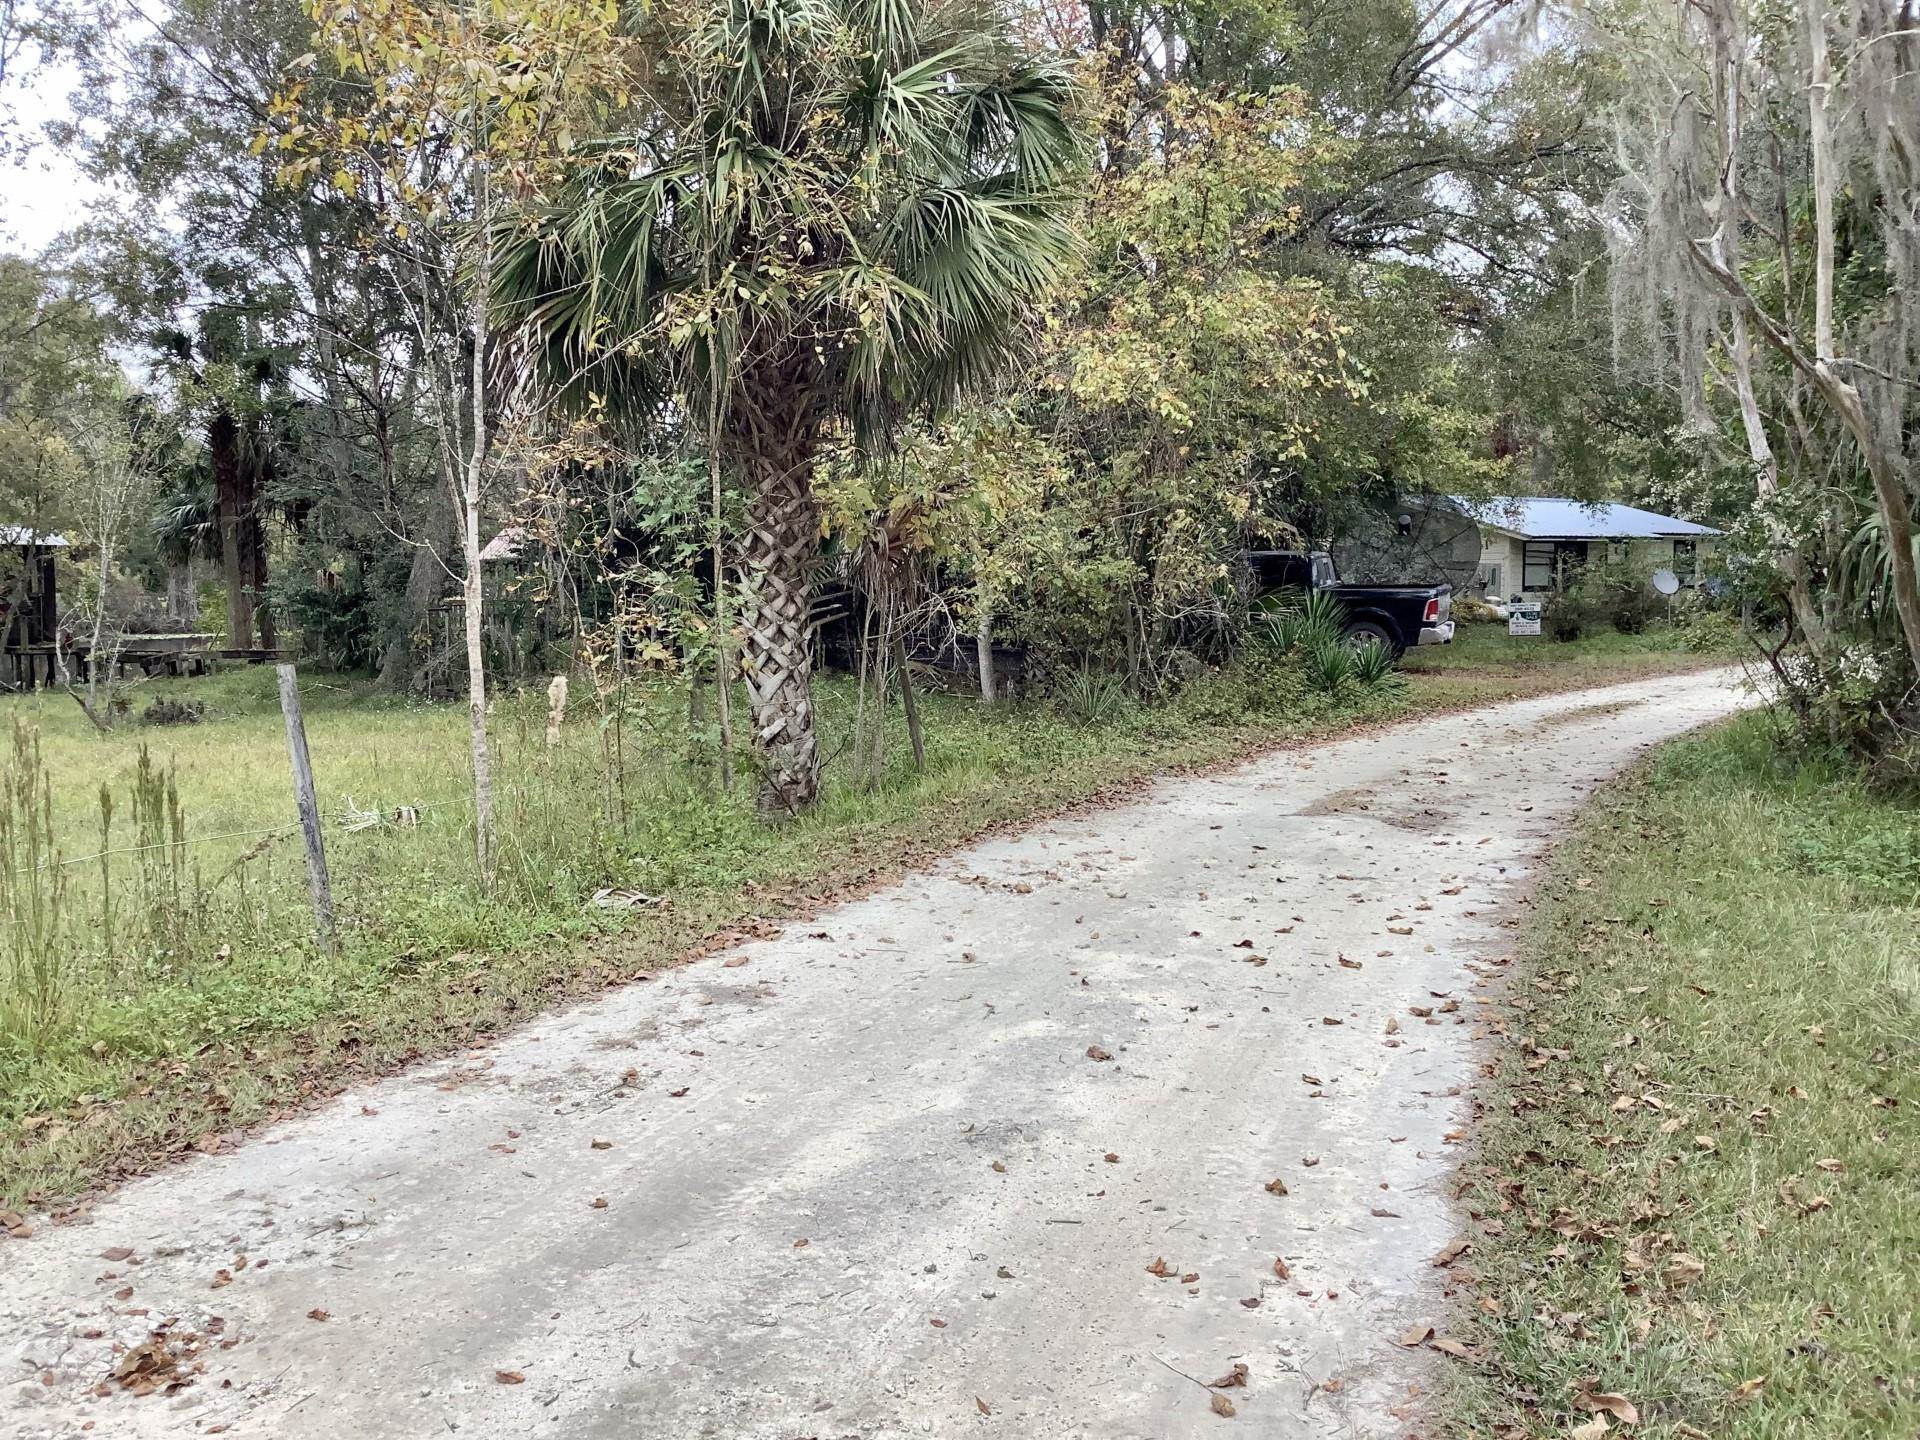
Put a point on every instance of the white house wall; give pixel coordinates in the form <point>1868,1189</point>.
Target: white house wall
<point>1507,553</point>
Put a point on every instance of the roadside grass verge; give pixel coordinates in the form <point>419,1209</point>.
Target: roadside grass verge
<point>1483,653</point>
<point>1696,1186</point>
<point>174,1024</point>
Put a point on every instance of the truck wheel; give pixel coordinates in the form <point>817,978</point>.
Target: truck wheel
<point>1362,633</point>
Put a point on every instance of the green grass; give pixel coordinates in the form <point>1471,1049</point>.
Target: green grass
<point>1486,646</point>
<point>1716,1056</point>
<point>188,999</point>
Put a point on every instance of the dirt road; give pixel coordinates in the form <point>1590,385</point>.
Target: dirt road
<point>903,1170</point>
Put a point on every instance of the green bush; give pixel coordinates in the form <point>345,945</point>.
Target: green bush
<point>1330,664</point>
<point>1567,615</point>
<point>1373,664</point>
<point>1620,595</point>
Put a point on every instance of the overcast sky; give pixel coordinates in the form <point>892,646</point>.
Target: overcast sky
<point>41,192</point>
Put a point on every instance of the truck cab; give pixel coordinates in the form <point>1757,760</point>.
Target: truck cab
<point>1396,616</point>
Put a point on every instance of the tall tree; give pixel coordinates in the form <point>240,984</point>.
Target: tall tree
<point>453,121</point>
<point>1769,208</point>
<point>838,212</point>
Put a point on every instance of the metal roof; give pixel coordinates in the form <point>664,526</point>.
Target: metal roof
<point>1539,518</point>
<point>21,535</point>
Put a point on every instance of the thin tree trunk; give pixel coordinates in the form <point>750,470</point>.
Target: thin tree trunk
<point>223,448</point>
<point>983,648</point>
<point>908,703</point>
<point>183,608</point>
<point>426,583</point>
<point>722,625</point>
<point>475,594</point>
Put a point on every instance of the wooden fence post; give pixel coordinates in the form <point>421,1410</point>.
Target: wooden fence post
<point>317,882</point>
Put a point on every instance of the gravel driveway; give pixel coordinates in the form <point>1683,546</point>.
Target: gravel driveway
<point>912,1168</point>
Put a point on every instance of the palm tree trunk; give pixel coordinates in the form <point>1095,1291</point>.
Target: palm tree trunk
<point>773,444</point>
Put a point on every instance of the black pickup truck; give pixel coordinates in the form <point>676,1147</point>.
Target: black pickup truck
<point>1396,616</point>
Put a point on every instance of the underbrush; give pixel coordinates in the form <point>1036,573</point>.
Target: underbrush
<point>1694,1194</point>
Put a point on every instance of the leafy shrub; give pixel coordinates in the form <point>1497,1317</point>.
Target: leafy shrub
<point>173,712</point>
<point>1330,664</point>
<point>1373,664</point>
<point>1620,595</point>
<point>1093,697</point>
<point>1709,630</point>
<point>1314,619</point>
<point>1567,615</point>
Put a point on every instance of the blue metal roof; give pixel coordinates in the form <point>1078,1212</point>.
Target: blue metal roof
<point>1539,518</point>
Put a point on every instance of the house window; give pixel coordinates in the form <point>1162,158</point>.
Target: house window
<point>1536,570</point>
<point>1549,564</point>
<point>1616,551</point>
<point>1489,579</point>
<point>1686,558</point>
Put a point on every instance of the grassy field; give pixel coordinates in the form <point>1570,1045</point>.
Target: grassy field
<point>1697,1181</point>
<point>176,996</point>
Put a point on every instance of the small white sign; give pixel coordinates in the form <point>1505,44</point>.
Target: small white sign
<point>1523,620</point>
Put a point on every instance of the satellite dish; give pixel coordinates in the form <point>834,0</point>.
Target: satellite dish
<point>1666,582</point>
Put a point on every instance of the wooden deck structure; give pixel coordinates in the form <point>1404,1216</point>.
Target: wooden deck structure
<point>30,625</point>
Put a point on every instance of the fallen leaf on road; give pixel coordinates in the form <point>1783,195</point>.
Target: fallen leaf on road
<point>1379,1213</point>
<point>117,1253</point>
<point>1252,1302</point>
<point>1280,1268</point>
<point>1160,1267</point>
<point>1276,1186</point>
<point>982,1406</point>
<point>1111,1158</point>
<point>220,1278</point>
<point>1414,1335</point>
<point>1452,1251</point>
<point>1447,1345</point>
<point>598,1144</point>
<point>1399,929</point>
<point>316,1313</point>
<point>509,1377</point>
<point>999,1167</point>
<point>1349,964</point>
<point>1236,1376</point>
<point>599,1202</point>
<point>735,963</point>
<point>678,1094</point>
<point>937,1322</point>
<point>1223,1406</point>
<point>1094,1052</point>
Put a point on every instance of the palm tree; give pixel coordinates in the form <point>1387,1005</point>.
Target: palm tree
<point>835,212</point>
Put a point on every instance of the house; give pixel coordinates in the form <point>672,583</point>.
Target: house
<point>1531,545</point>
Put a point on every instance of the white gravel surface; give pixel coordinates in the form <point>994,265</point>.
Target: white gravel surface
<point>902,1170</point>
